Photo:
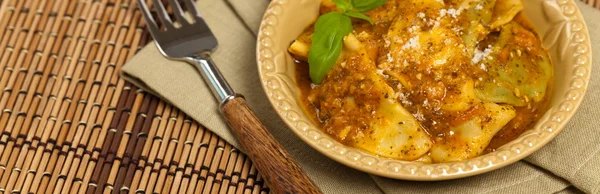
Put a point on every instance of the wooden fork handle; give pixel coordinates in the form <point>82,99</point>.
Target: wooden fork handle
<point>281,173</point>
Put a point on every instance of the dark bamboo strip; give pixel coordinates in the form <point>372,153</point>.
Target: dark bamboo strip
<point>141,138</point>
<point>147,157</point>
<point>114,157</point>
<point>132,129</point>
<point>142,126</point>
<point>143,153</point>
<point>109,64</point>
<point>108,138</point>
<point>118,172</point>
<point>151,147</point>
<point>121,60</point>
<point>117,128</point>
<point>100,108</point>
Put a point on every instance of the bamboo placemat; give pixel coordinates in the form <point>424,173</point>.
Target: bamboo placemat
<point>70,124</point>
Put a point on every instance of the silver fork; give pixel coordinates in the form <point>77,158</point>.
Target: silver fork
<point>192,41</point>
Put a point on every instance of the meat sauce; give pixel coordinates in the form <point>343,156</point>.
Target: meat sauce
<point>525,119</point>
<point>424,92</point>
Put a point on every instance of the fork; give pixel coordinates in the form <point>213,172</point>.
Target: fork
<point>190,40</point>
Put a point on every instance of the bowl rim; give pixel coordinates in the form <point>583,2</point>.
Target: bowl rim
<point>527,143</point>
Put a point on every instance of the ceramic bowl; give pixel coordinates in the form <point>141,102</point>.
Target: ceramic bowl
<point>558,22</point>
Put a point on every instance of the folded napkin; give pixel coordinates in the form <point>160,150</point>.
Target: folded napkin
<point>570,163</point>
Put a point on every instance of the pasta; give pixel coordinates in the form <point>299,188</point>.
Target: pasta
<point>430,80</point>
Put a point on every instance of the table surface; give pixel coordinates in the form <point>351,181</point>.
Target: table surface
<point>71,124</point>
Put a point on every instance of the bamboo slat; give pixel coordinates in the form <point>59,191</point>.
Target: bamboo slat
<point>70,124</point>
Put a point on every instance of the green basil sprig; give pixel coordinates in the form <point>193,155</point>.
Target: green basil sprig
<point>368,5</point>
<point>330,30</point>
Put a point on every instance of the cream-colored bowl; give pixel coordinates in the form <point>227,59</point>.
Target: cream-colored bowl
<point>563,32</point>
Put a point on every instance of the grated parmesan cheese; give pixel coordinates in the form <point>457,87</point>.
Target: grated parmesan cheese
<point>478,7</point>
<point>412,43</point>
<point>478,56</point>
<point>419,115</point>
<point>443,12</point>
<point>404,99</point>
<point>453,12</point>
<point>389,58</point>
<point>413,28</point>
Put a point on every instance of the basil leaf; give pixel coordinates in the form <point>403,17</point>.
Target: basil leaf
<point>330,30</point>
<point>327,43</point>
<point>366,5</point>
<point>359,16</point>
<point>343,5</point>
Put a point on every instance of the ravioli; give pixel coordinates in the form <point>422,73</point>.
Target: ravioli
<point>430,80</point>
<point>524,72</point>
<point>379,124</point>
<point>479,14</point>
<point>470,138</point>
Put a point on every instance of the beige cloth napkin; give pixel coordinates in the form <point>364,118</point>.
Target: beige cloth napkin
<point>570,163</point>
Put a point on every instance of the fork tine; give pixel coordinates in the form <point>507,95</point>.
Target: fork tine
<point>162,14</point>
<point>191,6</point>
<point>178,12</point>
<point>147,16</point>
